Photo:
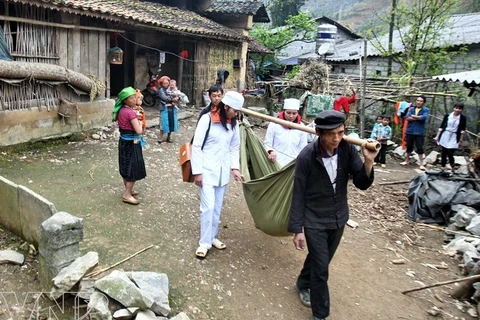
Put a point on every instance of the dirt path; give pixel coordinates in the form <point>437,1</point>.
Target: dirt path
<point>253,277</point>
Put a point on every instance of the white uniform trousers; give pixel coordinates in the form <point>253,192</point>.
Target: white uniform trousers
<point>211,201</point>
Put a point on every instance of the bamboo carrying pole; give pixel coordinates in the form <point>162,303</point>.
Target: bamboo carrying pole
<point>375,145</point>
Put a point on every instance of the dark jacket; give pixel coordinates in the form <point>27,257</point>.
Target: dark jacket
<point>462,126</point>
<point>315,204</point>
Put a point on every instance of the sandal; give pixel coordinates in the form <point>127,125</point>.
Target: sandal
<point>218,244</point>
<point>201,252</point>
<point>422,168</point>
<point>404,163</point>
<point>134,193</point>
<point>130,200</point>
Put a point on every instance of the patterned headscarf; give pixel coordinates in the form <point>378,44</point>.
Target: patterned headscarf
<point>124,94</point>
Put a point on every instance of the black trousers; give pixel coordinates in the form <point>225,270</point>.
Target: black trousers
<point>322,245</point>
<point>417,140</point>
<point>447,153</point>
<point>382,155</point>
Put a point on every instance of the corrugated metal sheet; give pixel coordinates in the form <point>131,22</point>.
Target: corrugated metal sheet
<point>469,77</point>
<point>146,13</point>
<point>464,30</point>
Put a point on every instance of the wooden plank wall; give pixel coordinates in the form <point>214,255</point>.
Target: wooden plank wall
<point>86,52</point>
<point>201,71</point>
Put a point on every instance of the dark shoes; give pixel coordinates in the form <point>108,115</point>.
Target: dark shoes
<point>304,295</point>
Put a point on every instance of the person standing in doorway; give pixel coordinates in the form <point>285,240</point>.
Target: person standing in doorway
<point>282,143</point>
<point>215,155</point>
<point>168,112</point>
<point>417,122</point>
<point>450,134</point>
<point>319,208</point>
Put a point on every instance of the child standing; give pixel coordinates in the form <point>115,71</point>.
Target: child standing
<point>377,123</point>
<point>382,132</point>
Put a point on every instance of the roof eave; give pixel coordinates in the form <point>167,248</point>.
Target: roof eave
<point>130,22</point>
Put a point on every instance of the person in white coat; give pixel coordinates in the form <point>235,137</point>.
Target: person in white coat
<point>283,144</point>
<point>215,155</point>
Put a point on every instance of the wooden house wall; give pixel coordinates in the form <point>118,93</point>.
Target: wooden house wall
<point>212,56</point>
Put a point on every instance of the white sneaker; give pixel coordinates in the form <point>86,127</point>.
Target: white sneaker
<point>384,166</point>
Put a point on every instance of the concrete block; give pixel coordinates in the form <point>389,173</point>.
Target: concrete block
<point>33,210</point>
<point>56,260</point>
<point>9,211</point>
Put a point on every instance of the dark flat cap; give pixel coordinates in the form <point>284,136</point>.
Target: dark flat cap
<point>329,119</point>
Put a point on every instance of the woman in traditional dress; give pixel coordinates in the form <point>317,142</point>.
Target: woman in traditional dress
<point>130,157</point>
<point>450,134</point>
<point>168,112</point>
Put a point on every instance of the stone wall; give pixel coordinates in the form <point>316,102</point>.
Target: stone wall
<point>23,211</point>
<point>30,125</point>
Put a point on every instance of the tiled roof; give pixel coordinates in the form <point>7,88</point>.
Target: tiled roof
<point>462,30</point>
<point>254,8</point>
<point>132,12</point>
<point>257,47</point>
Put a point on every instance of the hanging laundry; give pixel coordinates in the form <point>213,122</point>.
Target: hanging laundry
<point>316,103</point>
<point>343,102</point>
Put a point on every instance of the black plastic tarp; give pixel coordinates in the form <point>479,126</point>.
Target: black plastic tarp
<point>432,193</point>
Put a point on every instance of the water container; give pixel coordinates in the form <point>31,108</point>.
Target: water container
<point>326,34</point>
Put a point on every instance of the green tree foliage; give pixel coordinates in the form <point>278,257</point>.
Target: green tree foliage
<point>281,10</point>
<point>419,26</point>
<point>298,28</point>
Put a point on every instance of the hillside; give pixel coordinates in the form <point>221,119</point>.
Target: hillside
<point>358,14</point>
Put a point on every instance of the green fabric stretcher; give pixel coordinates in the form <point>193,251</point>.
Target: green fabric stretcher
<point>268,187</point>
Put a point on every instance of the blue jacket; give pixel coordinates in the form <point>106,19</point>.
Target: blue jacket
<point>417,127</point>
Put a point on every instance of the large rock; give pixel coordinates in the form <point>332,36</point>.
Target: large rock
<point>119,287</point>
<point>58,245</point>
<point>11,256</point>
<point>155,285</point>
<point>98,307</point>
<point>398,152</point>
<point>474,225</point>
<point>460,161</point>
<point>86,287</point>
<point>125,314</point>
<point>431,158</point>
<point>463,215</point>
<point>463,244</point>
<point>68,277</point>
<point>146,315</point>
<point>180,316</point>
<point>61,230</point>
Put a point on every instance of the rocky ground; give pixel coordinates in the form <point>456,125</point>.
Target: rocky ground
<point>253,277</point>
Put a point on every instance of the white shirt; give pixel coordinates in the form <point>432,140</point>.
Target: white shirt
<point>449,136</point>
<point>287,143</point>
<point>220,153</point>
